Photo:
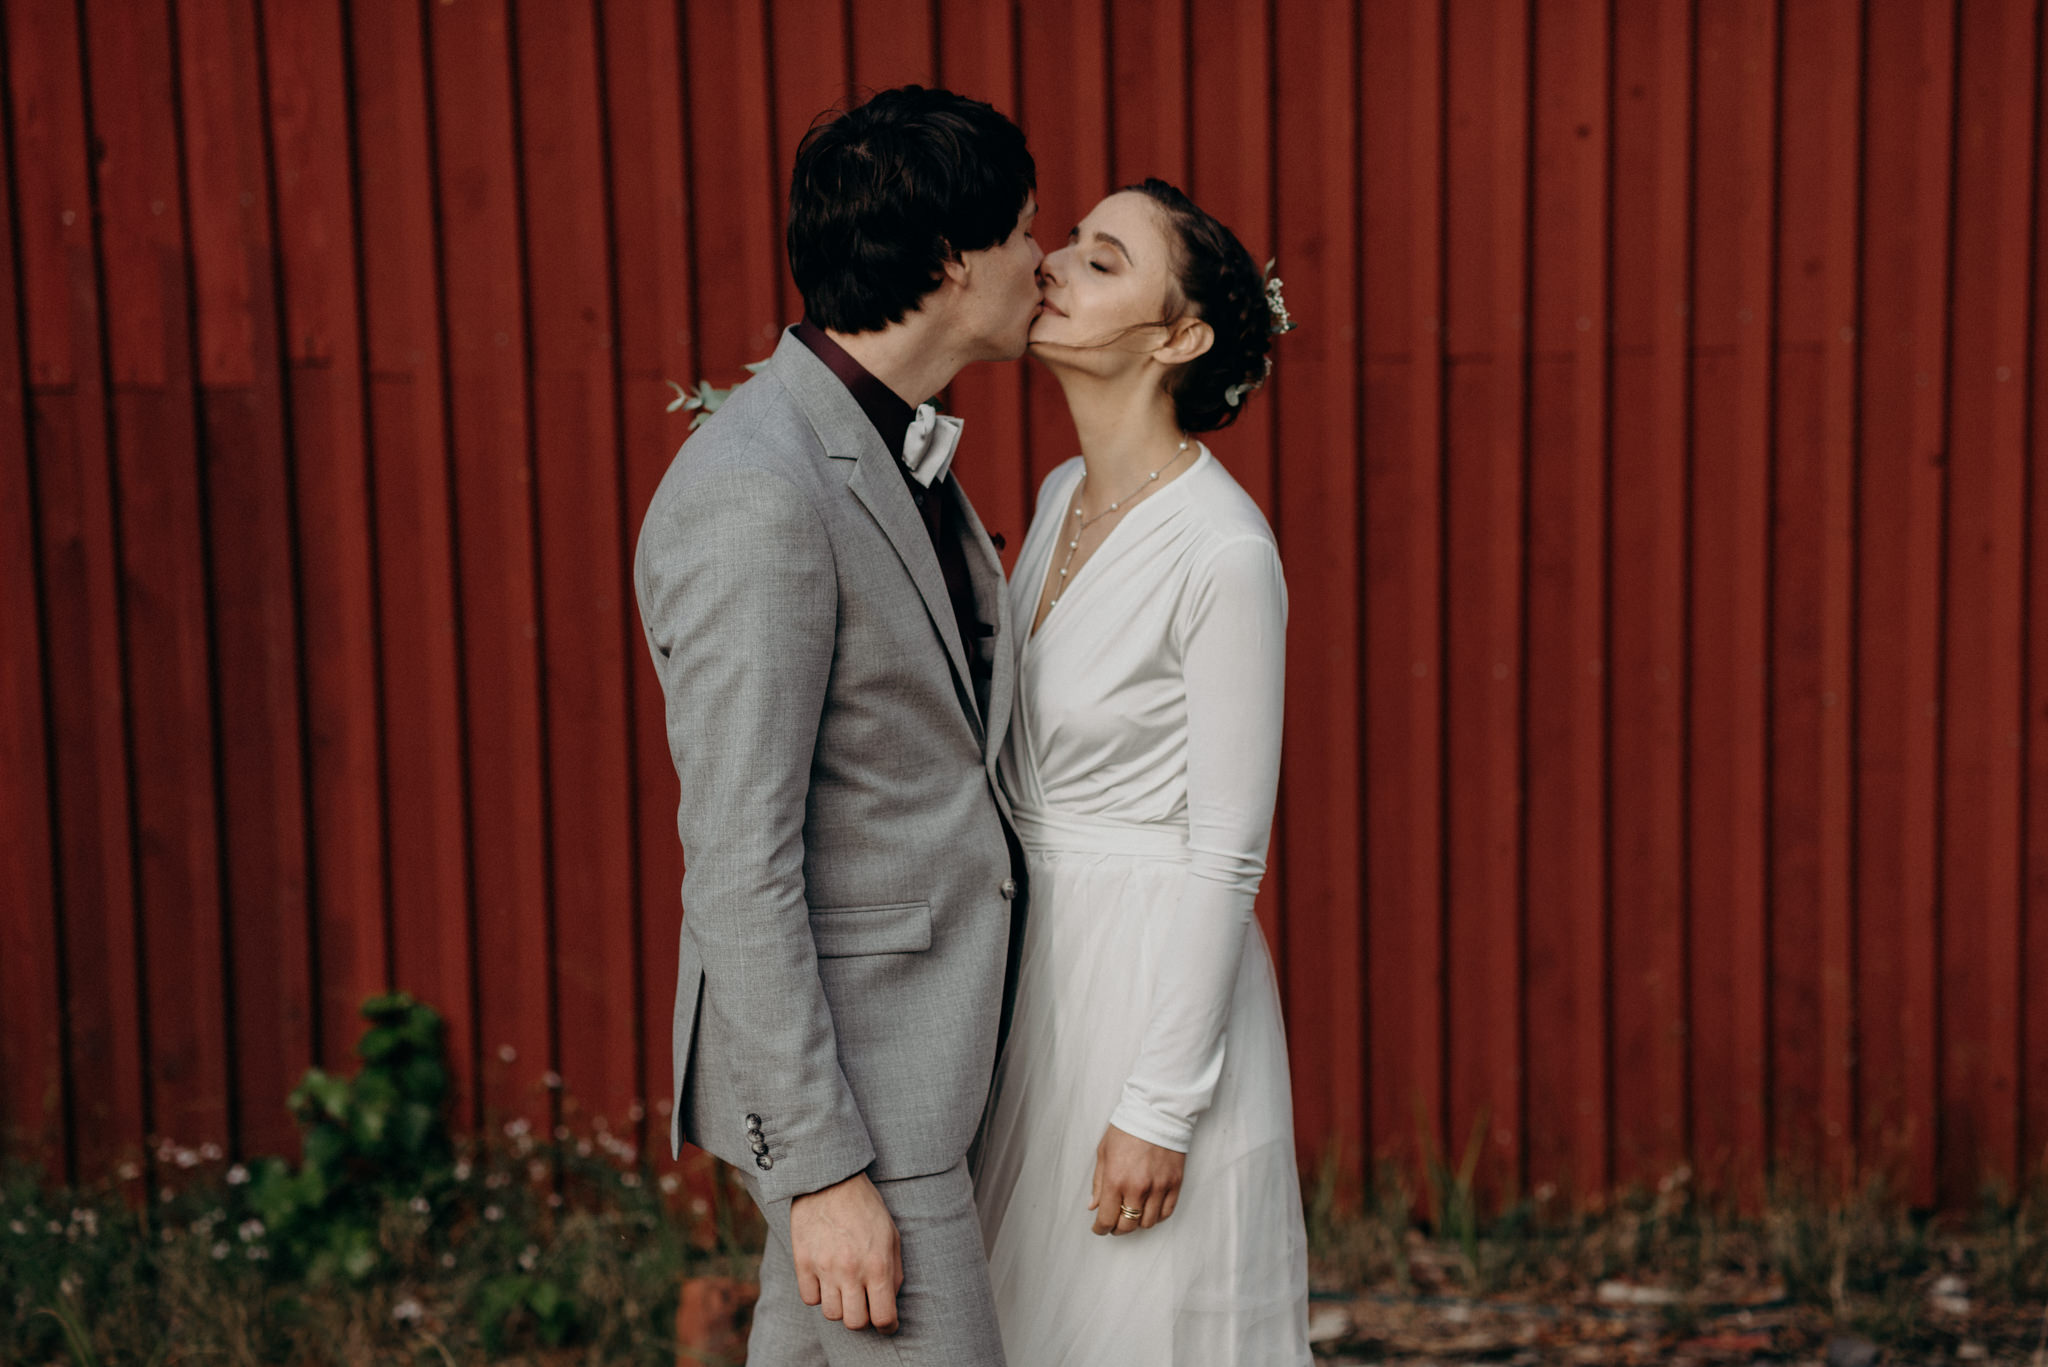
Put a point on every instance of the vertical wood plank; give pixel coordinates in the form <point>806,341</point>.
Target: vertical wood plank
<point>32,1111</point>
<point>162,510</point>
<point>426,799</point>
<point>1567,761</point>
<point>586,603</point>
<point>1732,265</point>
<point>813,64</point>
<point>651,260</point>
<point>1064,104</point>
<point>2034,722</point>
<point>1984,611</point>
<point>978,58</point>
<point>737,235</point>
<point>490,435</point>
<point>252,559</point>
<point>1648,553</point>
<point>1149,42</point>
<point>1315,391</point>
<point>1487,329</point>
<point>78,573</point>
<point>892,44</point>
<point>1401,175</point>
<point>1231,175</point>
<point>1908,119</point>
<point>306,58</point>
<point>1813,566</point>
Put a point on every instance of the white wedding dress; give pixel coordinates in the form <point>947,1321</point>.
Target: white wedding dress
<point>1142,762</point>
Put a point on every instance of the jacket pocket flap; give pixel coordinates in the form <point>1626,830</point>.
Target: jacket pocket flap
<point>896,928</point>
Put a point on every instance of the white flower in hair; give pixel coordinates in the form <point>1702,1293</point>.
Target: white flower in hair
<point>1275,304</point>
<point>1235,394</point>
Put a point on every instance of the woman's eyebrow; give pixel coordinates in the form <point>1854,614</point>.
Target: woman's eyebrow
<point>1115,242</point>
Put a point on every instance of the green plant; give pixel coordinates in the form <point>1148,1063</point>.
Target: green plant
<point>369,1139</point>
<point>704,400</point>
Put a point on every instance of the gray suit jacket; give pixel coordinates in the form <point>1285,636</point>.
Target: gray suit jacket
<point>848,895</point>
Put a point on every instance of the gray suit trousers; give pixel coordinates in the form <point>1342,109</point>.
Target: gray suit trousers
<point>946,1312</point>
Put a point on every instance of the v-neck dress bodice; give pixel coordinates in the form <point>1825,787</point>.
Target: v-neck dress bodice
<point>1142,764</point>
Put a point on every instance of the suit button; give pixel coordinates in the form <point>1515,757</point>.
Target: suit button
<point>753,1121</point>
<point>1008,889</point>
<point>760,1144</point>
<point>763,1162</point>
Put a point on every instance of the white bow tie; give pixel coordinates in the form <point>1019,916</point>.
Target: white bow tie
<point>929,444</point>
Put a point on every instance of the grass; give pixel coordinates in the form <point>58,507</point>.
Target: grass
<point>569,1249</point>
<point>1908,1280</point>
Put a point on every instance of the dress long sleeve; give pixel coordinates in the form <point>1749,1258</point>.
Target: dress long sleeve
<point>1231,634</point>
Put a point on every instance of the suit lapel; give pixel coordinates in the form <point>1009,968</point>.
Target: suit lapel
<point>992,598</point>
<point>875,480</point>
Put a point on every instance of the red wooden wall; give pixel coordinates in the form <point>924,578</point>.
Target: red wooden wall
<point>1667,773</point>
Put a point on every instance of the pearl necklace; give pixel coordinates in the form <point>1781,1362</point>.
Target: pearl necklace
<point>1074,542</point>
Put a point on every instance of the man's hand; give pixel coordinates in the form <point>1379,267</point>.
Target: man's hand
<point>1131,1174</point>
<point>849,1258</point>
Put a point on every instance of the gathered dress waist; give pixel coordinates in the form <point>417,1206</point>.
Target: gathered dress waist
<point>1046,828</point>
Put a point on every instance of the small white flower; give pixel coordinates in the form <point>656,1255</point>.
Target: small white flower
<point>670,1184</point>
<point>211,1152</point>
<point>537,1171</point>
<point>68,1284</point>
<point>514,1129</point>
<point>250,1231</point>
<point>561,1131</point>
<point>507,1054</point>
<point>493,1214</point>
<point>165,1194</point>
<point>257,1253</point>
<point>185,1158</point>
<point>528,1256</point>
<point>87,1220</point>
<point>447,1260</point>
<point>17,1226</point>
<point>407,1311</point>
<point>551,1079</point>
<point>462,1171</point>
<point>418,1206</point>
<point>128,1172</point>
<point>55,1227</point>
<point>220,1250</point>
<point>554,1200</point>
<point>636,1112</point>
<point>583,1148</point>
<point>699,1206</point>
<point>629,1179</point>
<point>496,1180</point>
<point>237,1175</point>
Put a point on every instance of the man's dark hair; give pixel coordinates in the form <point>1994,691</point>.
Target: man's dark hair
<point>888,192</point>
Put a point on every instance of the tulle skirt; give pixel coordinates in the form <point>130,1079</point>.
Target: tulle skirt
<point>1224,1283</point>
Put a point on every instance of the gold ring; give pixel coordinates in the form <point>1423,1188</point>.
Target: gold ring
<point>1130,1214</point>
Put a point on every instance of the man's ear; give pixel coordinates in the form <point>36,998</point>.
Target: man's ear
<point>955,266</point>
<point>1189,338</point>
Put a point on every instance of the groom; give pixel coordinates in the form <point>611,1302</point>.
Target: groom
<point>828,619</point>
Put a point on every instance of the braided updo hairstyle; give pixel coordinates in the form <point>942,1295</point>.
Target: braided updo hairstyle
<point>1219,283</point>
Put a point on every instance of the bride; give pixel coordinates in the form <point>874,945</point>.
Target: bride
<point>1143,1093</point>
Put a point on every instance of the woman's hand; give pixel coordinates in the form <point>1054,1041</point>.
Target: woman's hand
<point>1131,1174</point>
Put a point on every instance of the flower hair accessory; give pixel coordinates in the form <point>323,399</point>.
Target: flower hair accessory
<point>1235,394</point>
<point>1275,305</point>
